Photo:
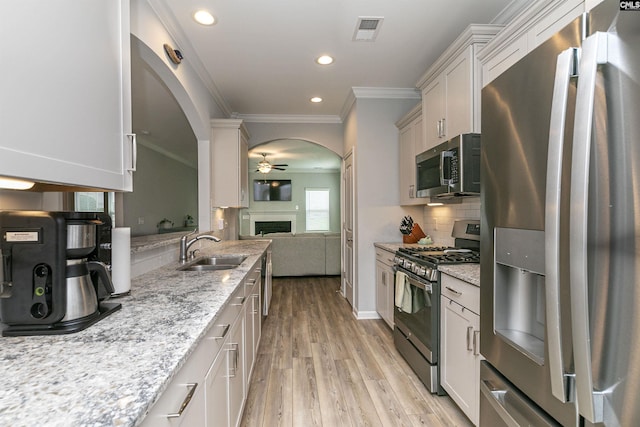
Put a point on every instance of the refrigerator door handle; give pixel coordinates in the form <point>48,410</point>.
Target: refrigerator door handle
<point>565,69</point>
<point>594,52</point>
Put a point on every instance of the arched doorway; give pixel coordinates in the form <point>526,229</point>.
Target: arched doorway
<point>313,173</point>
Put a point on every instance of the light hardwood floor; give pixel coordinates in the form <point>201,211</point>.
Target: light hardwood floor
<point>319,366</point>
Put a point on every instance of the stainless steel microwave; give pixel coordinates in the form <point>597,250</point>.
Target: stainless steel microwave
<point>451,169</point>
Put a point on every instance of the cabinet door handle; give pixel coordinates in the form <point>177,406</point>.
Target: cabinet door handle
<point>234,369</point>
<point>134,152</point>
<point>469,333</point>
<point>224,331</point>
<point>442,127</point>
<point>411,191</point>
<point>476,343</point>
<point>192,389</point>
<point>241,301</point>
<point>453,291</point>
<point>438,132</point>
<point>384,278</point>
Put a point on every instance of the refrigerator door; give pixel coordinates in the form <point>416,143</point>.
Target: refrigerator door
<point>516,111</point>
<point>605,227</point>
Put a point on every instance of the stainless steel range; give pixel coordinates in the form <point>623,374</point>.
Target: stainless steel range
<point>417,299</point>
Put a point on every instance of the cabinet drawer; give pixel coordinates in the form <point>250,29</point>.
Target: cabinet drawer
<point>465,294</point>
<point>385,256</point>
<point>189,380</point>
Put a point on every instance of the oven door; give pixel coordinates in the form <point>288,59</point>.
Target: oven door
<point>416,317</point>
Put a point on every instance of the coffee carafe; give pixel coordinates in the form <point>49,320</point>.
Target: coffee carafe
<point>54,276</point>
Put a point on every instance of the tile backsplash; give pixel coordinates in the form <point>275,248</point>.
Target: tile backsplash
<point>438,220</point>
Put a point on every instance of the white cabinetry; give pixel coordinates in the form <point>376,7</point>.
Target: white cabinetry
<point>410,145</point>
<point>525,32</point>
<point>385,285</point>
<point>451,88</point>
<point>229,163</point>
<point>460,344</point>
<point>65,109</point>
<point>212,386</point>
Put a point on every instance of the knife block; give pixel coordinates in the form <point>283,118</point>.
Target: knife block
<point>415,235</point>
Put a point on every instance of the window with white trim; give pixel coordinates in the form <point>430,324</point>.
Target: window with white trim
<point>317,207</point>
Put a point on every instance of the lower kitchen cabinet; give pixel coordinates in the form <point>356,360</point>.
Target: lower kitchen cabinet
<point>217,409</point>
<point>211,387</point>
<point>460,344</point>
<point>385,285</point>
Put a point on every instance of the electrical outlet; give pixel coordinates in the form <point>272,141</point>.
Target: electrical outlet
<point>435,224</point>
<point>140,220</point>
<point>221,224</point>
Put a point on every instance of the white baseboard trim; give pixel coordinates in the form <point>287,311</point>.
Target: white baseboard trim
<point>366,315</point>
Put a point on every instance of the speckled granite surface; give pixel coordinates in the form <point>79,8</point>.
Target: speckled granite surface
<point>112,372</point>
<point>467,272</point>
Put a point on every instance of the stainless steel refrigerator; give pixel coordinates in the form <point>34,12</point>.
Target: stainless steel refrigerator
<point>560,243</point>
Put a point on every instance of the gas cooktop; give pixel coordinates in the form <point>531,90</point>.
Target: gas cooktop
<point>440,255</point>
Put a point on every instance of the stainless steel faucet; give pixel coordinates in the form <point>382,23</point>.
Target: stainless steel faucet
<point>185,245</point>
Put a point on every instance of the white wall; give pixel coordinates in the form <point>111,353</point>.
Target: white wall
<point>371,129</point>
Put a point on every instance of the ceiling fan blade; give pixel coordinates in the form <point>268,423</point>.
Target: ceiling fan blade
<point>280,169</point>
<point>280,165</point>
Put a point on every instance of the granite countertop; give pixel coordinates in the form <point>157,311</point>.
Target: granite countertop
<point>112,372</point>
<point>468,272</point>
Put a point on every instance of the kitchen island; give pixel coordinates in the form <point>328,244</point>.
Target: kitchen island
<point>111,373</point>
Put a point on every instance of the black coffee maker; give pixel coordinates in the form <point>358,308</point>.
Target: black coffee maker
<point>55,275</point>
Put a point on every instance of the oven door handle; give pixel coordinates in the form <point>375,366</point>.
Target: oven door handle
<point>427,287</point>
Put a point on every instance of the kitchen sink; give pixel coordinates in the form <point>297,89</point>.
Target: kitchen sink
<point>212,263</point>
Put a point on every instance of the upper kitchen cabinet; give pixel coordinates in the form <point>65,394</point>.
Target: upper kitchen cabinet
<point>65,108</point>
<point>410,142</point>
<point>451,88</point>
<point>229,163</point>
<point>525,32</point>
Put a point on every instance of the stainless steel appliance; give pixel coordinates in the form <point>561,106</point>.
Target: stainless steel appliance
<point>53,272</point>
<point>416,316</point>
<point>451,169</point>
<point>560,229</point>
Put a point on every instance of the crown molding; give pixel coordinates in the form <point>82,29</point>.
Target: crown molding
<point>287,118</point>
<point>472,35</point>
<point>376,93</point>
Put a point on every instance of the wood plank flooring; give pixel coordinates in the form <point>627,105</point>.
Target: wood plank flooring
<point>319,366</point>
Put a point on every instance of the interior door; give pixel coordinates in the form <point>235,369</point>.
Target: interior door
<point>348,253</point>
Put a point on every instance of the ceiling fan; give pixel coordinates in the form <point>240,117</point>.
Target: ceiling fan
<point>265,167</point>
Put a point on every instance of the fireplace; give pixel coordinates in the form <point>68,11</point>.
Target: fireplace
<point>257,220</point>
<point>266,227</point>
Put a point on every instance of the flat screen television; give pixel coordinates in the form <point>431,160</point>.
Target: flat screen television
<point>278,190</point>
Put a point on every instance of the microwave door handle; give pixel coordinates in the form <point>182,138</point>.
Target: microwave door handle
<point>594,52</point>
<point>443,180</point>
<point>565,69</point>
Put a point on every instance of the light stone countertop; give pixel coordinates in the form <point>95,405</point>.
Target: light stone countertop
<point>112,372</point>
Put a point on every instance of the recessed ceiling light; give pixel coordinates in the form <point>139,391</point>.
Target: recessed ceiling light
<point>203,17</point>
<point>324,60</point>
<point>316,99</point>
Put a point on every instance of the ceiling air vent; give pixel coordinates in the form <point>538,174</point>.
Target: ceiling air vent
<point>367,28</point>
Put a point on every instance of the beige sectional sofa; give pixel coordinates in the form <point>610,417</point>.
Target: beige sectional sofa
<point>303,254</point>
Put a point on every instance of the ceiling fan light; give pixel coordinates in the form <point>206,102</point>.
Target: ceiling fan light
<point>264,167</point>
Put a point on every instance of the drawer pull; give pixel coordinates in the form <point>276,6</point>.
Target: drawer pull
<point>192,389</point>
<point>453,291</point>
<point>241,301</point>
<point>224,331</point>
